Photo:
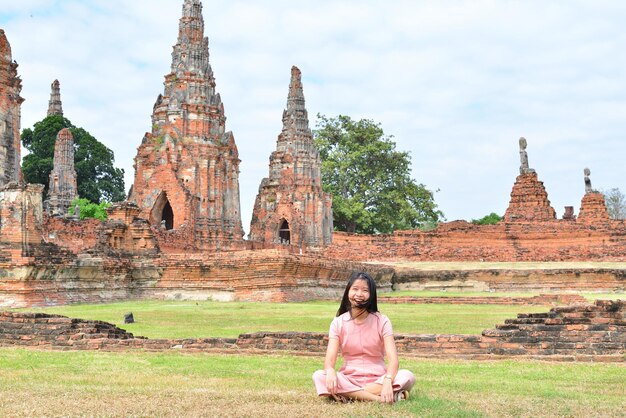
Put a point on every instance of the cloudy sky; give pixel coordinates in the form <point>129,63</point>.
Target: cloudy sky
<point>455,82</point>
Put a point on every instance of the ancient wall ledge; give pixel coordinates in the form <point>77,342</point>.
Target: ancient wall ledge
<point>543,299</point>
<point>594,332</point>
<point>505,280</point>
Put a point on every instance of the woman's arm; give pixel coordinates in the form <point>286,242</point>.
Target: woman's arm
<point>329,364</point>
<point>386,394</point>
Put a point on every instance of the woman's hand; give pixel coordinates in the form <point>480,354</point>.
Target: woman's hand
<point>386,394</point>
<point>331,381</point>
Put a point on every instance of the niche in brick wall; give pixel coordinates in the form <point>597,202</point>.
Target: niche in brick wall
<point>162,213</point>
<point>284,233</point>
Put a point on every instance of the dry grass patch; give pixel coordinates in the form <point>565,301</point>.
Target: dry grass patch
<point>129,384</point>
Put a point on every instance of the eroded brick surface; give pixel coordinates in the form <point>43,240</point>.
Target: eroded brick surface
<point>529,200</point>
<point>593,210</point>
<point>10,114</point>
<point>21,221</point>
<point>124,232</point>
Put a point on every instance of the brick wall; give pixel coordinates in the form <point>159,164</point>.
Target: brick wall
<point>558,240</point>
<point>72,234</point>
<point>577,332</point>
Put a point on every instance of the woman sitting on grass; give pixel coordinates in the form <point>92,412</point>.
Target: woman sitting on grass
<point>365,338</point>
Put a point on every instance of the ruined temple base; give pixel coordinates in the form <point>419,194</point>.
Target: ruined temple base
<point>586,332</point>
<point>261,275</point>
<point>510,277</point>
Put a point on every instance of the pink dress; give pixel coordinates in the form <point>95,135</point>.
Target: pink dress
<point>363,351</point>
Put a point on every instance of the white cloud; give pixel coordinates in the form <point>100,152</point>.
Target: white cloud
<point>456,82</point>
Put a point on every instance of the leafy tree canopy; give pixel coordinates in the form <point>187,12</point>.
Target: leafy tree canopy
<point>369,180</point>
<point>491,219</point>
<point>89,209</point>
<point>615,203</point>
<point>96,177</point>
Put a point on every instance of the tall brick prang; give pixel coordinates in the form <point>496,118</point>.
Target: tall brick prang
<point>291,207</point>
<point>187,168</point>
<point>10,114</point>
<point>55,106</point>
<point>62,187</point>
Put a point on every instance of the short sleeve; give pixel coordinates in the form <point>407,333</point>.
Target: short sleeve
<point>385,327</point>
<point>334,329</point>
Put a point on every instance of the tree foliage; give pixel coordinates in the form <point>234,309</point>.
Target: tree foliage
<point>369,180</point>
<point>615,203</point>
<point>89,209</point>
<point>96,177</point>
<point>491,219</point>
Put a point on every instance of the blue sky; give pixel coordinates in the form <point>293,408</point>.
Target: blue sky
<point>455,82</point>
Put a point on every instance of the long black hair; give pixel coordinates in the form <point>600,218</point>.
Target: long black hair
<point>372,303</point>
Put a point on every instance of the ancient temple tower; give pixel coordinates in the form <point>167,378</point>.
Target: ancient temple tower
<point>54,105</point>
<point>291,207</point>
<point>62,187</point>
<point>10,114</point>
<point>187,168</point>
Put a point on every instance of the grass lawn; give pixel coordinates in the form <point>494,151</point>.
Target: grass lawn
<point>61,383</point>
<point>189,319</point>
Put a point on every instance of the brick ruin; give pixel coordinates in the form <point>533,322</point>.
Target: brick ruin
<point>62,187</point>
<point>187,168</point>
<point>581,332</point>
<point>180,233</point>
<point>529,231</point>
<point>10,114</point>
<point>291,207</point>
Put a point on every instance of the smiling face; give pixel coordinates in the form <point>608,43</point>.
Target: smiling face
<point>359,294</point>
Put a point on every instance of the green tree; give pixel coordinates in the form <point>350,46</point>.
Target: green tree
<point>615,203</point>
<point>491,219</point>
<point>369,180</point>
<point>89,209</point>
<point>96,177</point>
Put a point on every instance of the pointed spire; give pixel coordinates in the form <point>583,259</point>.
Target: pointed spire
<point>295,98</point>
<point>296,115</point>
<point>191,52</point>
<point>5,47</point>
<point>54,105</point>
